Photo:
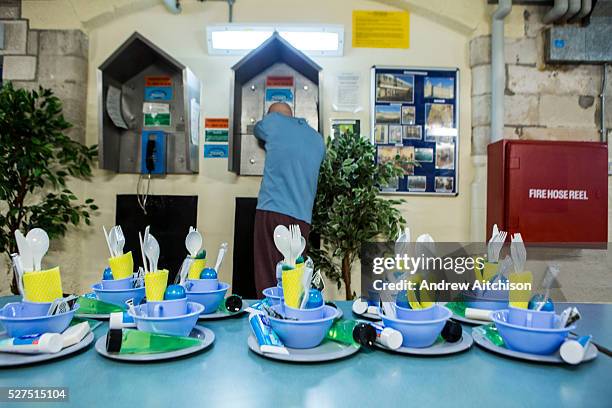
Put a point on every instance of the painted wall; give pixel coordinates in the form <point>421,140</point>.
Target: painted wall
<point>183,36</point>
<point>440,35</point>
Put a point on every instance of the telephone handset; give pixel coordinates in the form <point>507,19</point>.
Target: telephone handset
<point>153,152</point>
<point>150,155</point>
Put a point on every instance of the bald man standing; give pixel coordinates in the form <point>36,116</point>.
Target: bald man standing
<point>294,153</point>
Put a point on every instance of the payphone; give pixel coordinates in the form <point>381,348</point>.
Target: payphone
<point>273,72</point>
<point>149,111</point>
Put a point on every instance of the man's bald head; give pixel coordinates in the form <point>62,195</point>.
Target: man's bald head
<point>281,107</point>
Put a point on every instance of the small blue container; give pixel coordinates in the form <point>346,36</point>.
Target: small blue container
<point>273,294</point>
<point>118,284</point>
<point>420,333</point>
<point>531,318</point>
<point>201,285</point>
<point>174,325</point>
<point>167,308</point>
<point>403,313</point>
<point>401,299</point>
<point>491,300</point>
<point>530,339</point>
<point>304,314</point>
<point>303,334</point>
<point>18,320</point>
<point>209,299</point>
<point>118,296</point>
<point>373,297</point>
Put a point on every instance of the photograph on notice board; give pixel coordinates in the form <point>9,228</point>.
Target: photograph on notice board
<point>392,186</point>
<point>395,134</point>
<point>387,154</point>
<point>388,114</point>
<point>340,127</point>
<point>412,132</point>
<point>417,183</point>
<point>444,184</point>
<point>439,88</point>
<point>408,115</point>
<point>445,156</point>
<point>381,134</point>
<point>438,120</point>
<point>423,154</point>
<point>406,154</point>
<point>394,88</point>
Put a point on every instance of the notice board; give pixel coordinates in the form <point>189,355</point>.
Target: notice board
<point>415,114</point>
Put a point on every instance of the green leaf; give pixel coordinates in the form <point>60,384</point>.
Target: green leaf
<point>37,160</point>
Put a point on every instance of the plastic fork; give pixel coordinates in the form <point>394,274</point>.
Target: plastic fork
<point>495,246</point>
<point>119,239</point>
<point>518,253</point>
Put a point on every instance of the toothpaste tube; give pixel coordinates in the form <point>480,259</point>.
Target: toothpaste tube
<point>360,307</point>
<point>478,314</point>
<point>573,351</point>
<point>74,334</point>
<point>120,320</point>
<point>388,337</point>
<point>258,307</point>
<point>267,339</point>
<point>32,344</point>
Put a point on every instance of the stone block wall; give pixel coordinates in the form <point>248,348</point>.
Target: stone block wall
<point>541,102</point>
<point>55,59</point>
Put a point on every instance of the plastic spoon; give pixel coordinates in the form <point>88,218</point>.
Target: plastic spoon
<point>193,243</point>
<point>38,241</point>
<point>222,251</point>
<point>282,239</point>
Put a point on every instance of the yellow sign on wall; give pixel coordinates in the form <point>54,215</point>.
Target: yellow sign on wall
<point>381,29</point>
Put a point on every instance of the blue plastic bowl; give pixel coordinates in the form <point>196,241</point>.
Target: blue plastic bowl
<point>273,294</point>
<point>211,299</point>
<point>118,296</point>
<point>34,309</point>
<point>529,339</point>
<point>303,334</point>
<point>18,321</point>
<point>491,300</point>
<point>420,333</point>
<point>174,325</point>
<point>304,314</point>
<point>115,284</point>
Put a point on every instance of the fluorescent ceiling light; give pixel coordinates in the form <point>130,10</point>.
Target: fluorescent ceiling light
<point>234,39</point>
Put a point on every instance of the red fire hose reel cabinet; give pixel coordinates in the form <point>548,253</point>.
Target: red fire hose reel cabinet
<point>551,192</point>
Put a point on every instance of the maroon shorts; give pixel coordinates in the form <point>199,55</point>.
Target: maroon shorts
<point>266,255</point>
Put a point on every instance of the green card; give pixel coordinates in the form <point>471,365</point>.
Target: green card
<point>160,119</point>
<point>216,135</point>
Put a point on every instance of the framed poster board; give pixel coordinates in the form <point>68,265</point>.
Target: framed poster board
<point>415,114</point>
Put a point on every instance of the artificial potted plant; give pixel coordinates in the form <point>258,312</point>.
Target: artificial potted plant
<point>348,209</point>
<point>37,159</point>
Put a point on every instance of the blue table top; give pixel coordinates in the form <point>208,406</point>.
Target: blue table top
<point>229,374</point>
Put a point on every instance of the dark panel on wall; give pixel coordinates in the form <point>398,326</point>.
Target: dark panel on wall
<point>169,218</point>
<point>243,281</point>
